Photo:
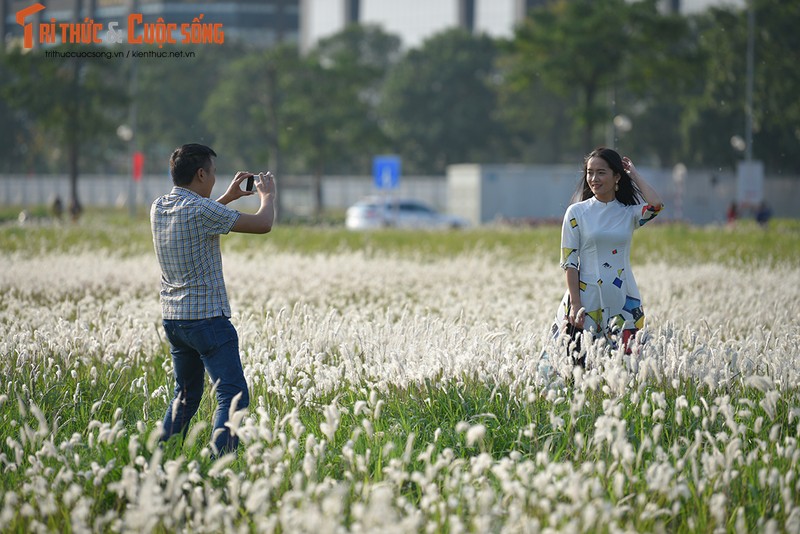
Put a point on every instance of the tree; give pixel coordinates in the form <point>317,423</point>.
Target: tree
<point>777,79</point>
<point>439,101</point>
<point>16,134</point>
<point>663,69</point>
<point>536,118</point>
<point>360,58</point>
<point>333,111</point>
<point>598,68</point>
<point>170,97</point>
<point>245,109</point>
<point>718,113</point>
<point>316,111</point>
<point>75,99</point>
<point>576,47</point>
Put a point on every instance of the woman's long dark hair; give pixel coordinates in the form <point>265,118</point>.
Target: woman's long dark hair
<point>627,194</point>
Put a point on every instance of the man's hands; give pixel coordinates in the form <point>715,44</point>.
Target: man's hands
<point>265,186</point>
<point>235,190</point>
<point>261,221</point>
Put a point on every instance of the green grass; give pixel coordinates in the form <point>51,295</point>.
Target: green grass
<point>546,428</point>
<point>429,413</point>
<point>677,244</point>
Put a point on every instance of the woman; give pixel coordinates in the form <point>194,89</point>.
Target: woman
<point>596,236</point>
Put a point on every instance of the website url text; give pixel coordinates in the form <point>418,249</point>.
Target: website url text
<point>107,54</point>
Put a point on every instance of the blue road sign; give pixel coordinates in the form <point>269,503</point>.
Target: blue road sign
<point>386,171</point>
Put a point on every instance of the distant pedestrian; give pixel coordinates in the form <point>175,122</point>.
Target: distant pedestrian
<point>732,214</point>
<point>186,226</point>
<point>57,208</point>
<point>763,214</point>
<point>75,209</point>
<point>602,296</point>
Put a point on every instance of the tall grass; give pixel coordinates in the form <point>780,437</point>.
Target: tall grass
<point>673,243</point>
<point>399,383</point>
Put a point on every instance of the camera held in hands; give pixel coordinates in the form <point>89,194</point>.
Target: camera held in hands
<point>250,182</point>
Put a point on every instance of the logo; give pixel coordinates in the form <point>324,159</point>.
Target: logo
<point>113,36</point>
<point>22,14</point>
<point>138,32</point>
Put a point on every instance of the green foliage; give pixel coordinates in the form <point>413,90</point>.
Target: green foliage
<point>577,46</point>
<point>438,103</point>
<point>664,70</point>
<point>315,112</point>
<point>76,102</point>
<point>356,62</point>
<point>720,114</point>
<point>245,108</point>
<point>600,60</point>
<point>548,94</point>
<point>170,97</point>
<point>677,244</point>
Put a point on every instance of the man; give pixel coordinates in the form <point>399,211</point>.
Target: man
<point>186,226</point>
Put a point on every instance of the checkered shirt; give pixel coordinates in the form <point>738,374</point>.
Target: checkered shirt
<point>186,229</point>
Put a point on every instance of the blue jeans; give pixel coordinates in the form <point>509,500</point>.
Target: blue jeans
<point>210,345</point>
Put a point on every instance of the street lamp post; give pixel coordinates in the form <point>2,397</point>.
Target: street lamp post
<point>748,106</point>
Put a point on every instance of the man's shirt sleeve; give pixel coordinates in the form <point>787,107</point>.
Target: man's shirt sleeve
<point>217,218</point>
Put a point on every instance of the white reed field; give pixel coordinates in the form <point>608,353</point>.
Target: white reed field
<point>394,393</point>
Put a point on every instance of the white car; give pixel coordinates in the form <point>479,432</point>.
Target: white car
<point>398,213</point>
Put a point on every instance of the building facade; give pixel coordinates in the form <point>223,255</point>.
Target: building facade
<point>413,20</point>
<point>416,20</point>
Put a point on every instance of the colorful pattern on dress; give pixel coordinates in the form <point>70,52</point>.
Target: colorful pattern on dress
<point>649,212</point>
<point>634,307</point>
<point>596,315</point>
<point>567,258</point>
<point>631,304</point>
<point>618,281</point>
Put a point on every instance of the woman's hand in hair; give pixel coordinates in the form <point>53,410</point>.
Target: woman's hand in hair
<point>627,164</point>
<point>648,193</point>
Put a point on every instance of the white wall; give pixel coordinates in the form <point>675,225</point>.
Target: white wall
<point>539,193</point>
<point>481,194</point>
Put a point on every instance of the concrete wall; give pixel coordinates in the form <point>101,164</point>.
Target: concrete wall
<point>480,193</point>
<point>338,192</point>
<point>539,193</point>
<point>487,193</point>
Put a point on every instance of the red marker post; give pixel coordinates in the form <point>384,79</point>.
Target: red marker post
<point>138,166</point>
<point>137,170</point>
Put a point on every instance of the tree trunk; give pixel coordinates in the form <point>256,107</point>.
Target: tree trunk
<point>318,193</point>
<point>75,207</point>
<point>73,141</point>
<point>588,133</point>
<point>274,135</point>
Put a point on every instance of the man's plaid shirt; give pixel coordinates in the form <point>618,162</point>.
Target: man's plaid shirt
<point>186,229</point>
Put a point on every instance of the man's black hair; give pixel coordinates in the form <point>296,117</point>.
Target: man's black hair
<point>185,161</point>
